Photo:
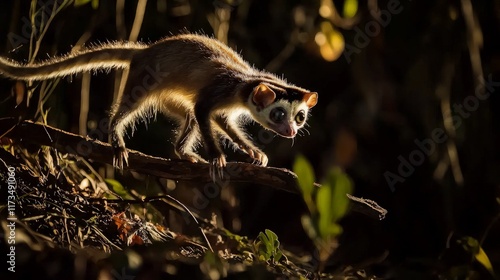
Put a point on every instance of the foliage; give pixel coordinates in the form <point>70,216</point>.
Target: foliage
<point>327,205</point>
<point>384,75</point>
<point>472,246</point>
<point>268,246</point>
<point>305,177</point>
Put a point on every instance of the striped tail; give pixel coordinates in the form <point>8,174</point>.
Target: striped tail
<point>106,57</point>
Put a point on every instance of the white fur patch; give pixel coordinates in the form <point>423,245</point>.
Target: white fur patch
<point>291,109</point>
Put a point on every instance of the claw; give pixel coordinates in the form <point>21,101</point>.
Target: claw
<point>250,153</point>
<point>258,157</point>
<point>120,157</point>
<point>264,160</point>
<point>216,168</point>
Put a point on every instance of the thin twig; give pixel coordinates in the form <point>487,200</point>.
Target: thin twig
<point>194,218</point>
<point>443,91</point>
<point>120,21</point>
<point>139,17</point>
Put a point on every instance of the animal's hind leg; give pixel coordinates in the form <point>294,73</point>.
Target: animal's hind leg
<point>119,122</point>
<point>124,114</point>
<point>187,139</point>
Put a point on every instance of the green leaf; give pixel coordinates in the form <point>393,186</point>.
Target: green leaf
<point>305,174</point>
<point>335,229</point>
<point>273,238</point>
<point>267,245</point>
<point>273,244</point>
<point>350,8</point>
<point>332,202</point>
<point>117,187</point>
<point>262,237</point>
<point>278,256</point>
<point>342,185</point>
<point>471,245</point>
<point>263,247</point>
<point>324,205</point>
<point>265,240</point>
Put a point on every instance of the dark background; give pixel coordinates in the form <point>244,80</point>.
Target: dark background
<point>373,104</point>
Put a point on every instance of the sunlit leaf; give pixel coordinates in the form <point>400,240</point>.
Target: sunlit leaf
<point>263,247</point>
<point>335,229</point>
<point>332,202</point>
<point>350,8</point>
<point>117,187</point>
<point>273,238</point>
<point>342,186</point>
<point>267,245</point>
<point>483,259</point>
<point>278,255</point>
<point>305,174</point>
<point>472,245</point>
<point>324,205</point>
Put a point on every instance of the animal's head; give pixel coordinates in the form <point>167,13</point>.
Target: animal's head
<point>283,110</point>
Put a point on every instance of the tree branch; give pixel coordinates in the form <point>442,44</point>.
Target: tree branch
<point>181,170</point>
<point>94,150</point>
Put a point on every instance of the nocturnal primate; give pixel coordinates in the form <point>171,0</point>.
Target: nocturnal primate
<point>203,84</point>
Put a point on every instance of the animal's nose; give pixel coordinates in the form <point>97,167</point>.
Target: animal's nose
<point>290,131</point>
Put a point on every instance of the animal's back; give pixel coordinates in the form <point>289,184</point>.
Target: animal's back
<point>189,53</point>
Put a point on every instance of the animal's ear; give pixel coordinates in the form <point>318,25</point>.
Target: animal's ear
<point>311,99</point>
<point>262,95</point>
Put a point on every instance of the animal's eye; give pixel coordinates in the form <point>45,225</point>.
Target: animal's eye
<point>300,117</point>
<point>277,115</point>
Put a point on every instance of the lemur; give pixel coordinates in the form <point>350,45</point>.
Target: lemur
<point>197,80</point>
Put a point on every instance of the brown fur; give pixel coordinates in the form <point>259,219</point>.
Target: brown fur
<point>195,79</point>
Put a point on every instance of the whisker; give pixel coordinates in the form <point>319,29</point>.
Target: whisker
<point>308,133</point>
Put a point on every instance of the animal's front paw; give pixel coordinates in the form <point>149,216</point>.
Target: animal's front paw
<point>216,168</point>
<point>120,157</point>
<point>257,155</point>
<point>192,157</point>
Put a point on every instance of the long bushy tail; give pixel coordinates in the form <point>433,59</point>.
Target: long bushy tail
<point>111,56</point>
